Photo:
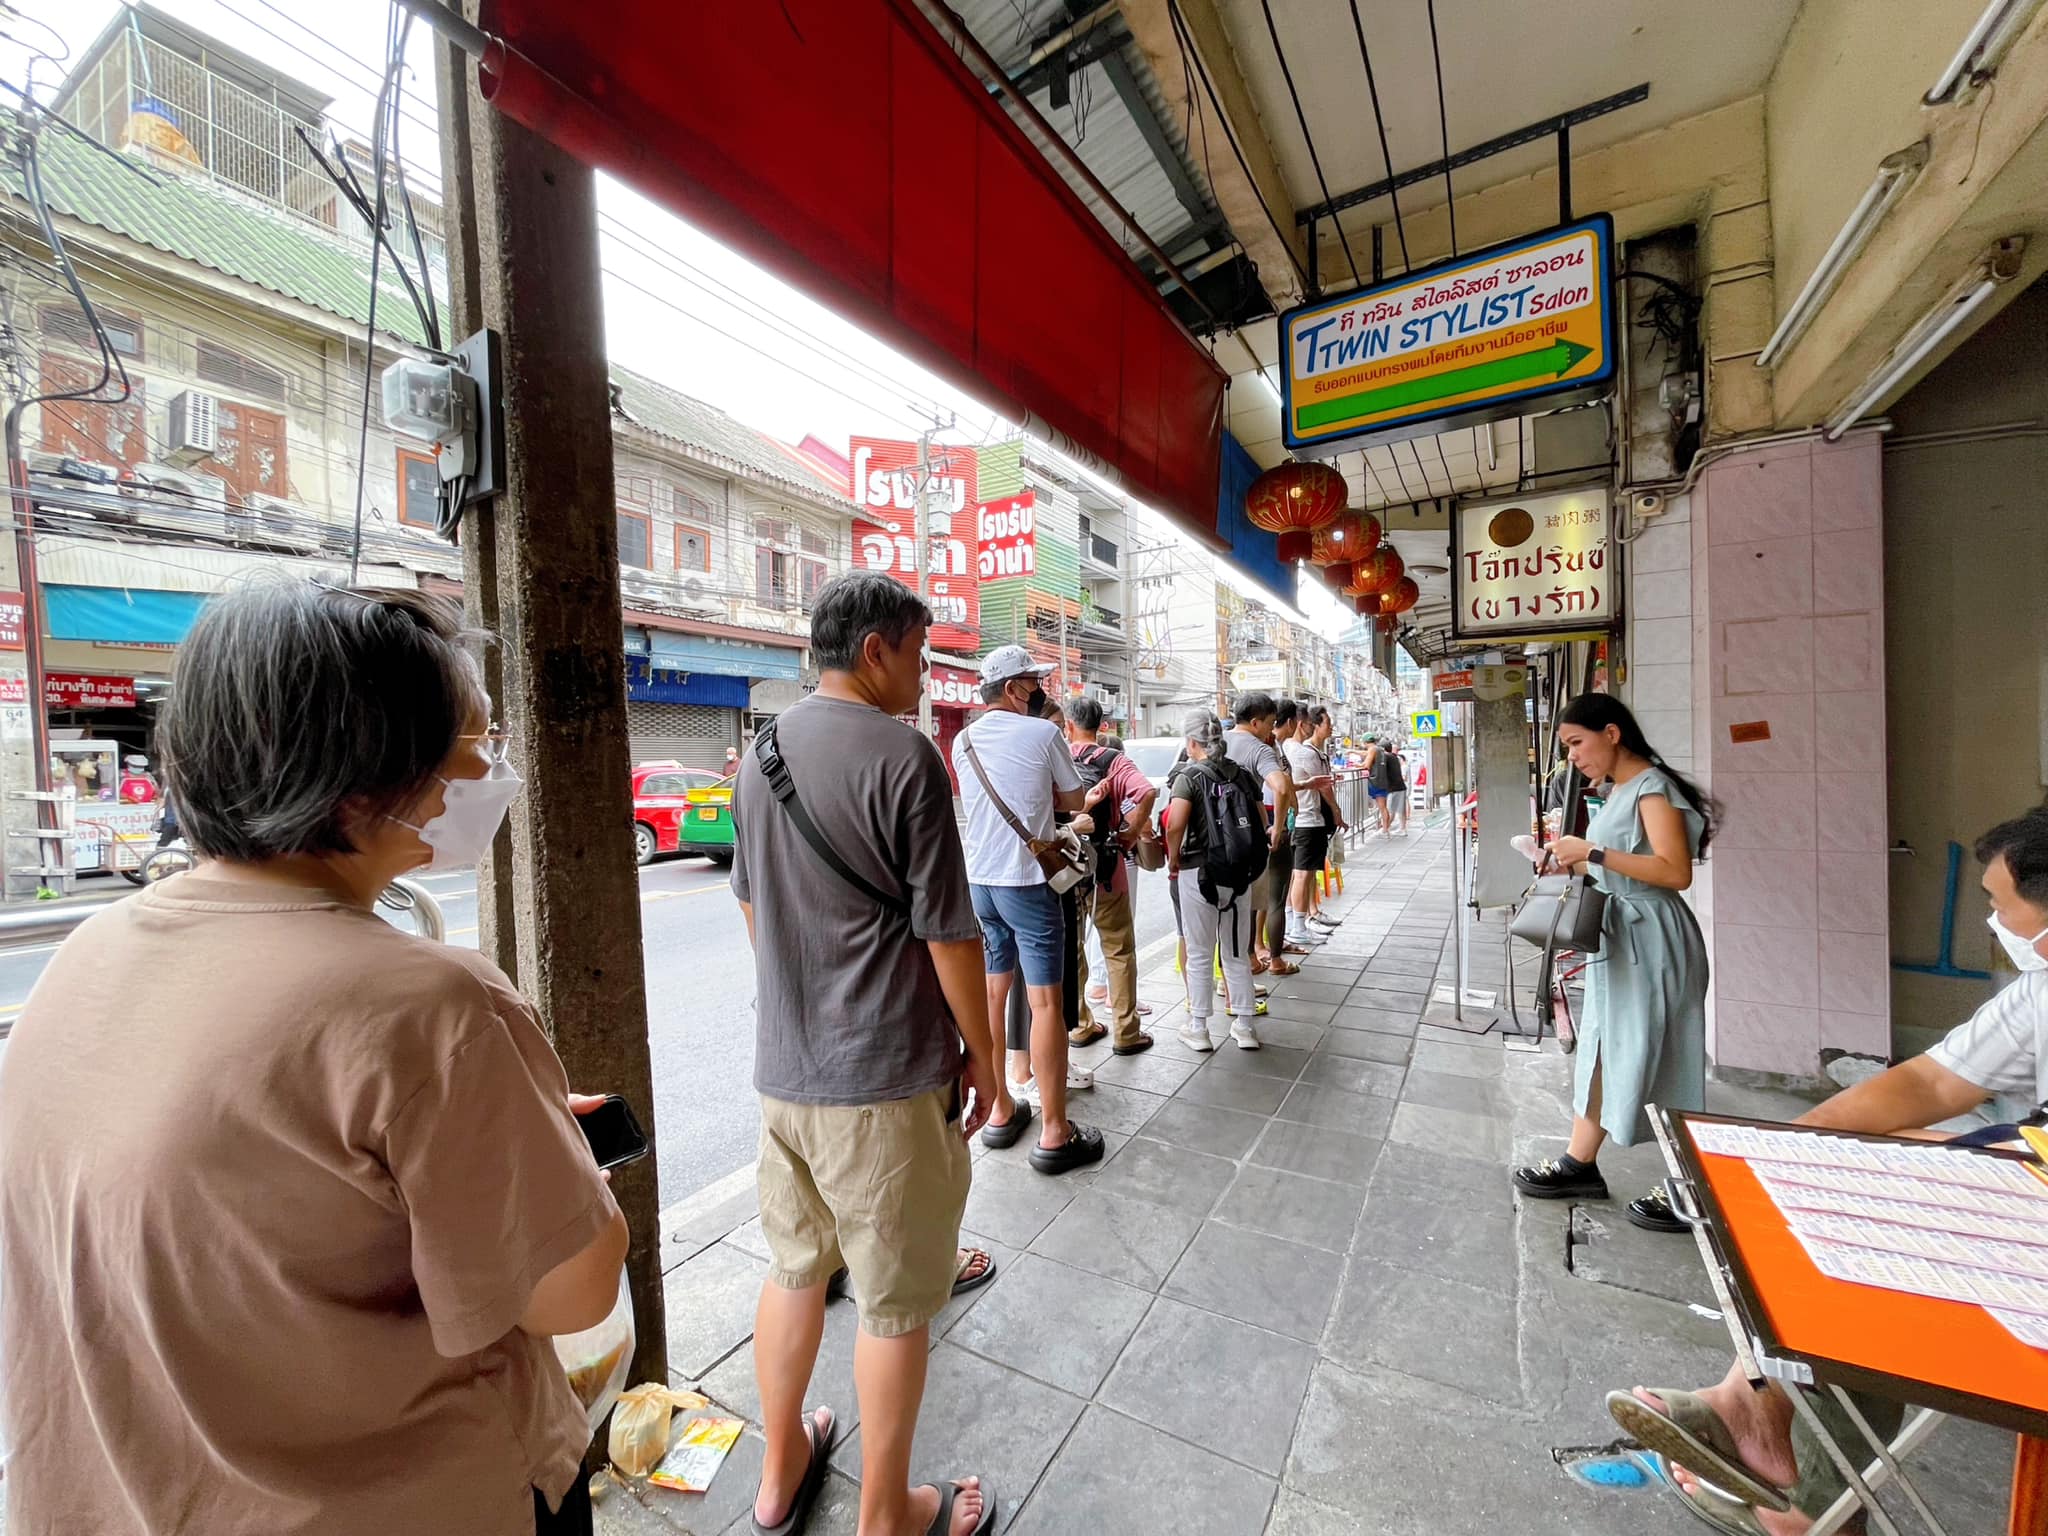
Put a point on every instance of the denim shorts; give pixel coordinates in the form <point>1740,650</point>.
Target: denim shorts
<point>1022,919</point>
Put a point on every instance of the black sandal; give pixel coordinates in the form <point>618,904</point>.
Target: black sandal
<point>814,1479</point>
<point>1083,1146</point>
<point>998,1138</point>
<point>1653,1213</point>
<point>942,1522</point>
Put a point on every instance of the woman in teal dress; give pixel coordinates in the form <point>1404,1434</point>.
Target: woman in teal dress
<point>1643,1039</point>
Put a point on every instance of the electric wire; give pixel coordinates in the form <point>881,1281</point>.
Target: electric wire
<point>1185,41</point>
<point>1443,123</point>
<point>1380,122</point>
<point>1307,138</point>
<point>392,68</point>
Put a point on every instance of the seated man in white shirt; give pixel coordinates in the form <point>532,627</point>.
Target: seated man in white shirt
<point>1750,1442</point>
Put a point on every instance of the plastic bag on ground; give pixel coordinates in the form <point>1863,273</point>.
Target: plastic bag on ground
<point>640,1423</point>
<point>597,1359</point>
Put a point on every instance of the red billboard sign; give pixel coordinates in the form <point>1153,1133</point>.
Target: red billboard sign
<point>87,690</point>
<point>1007,529</point>
<point>954,688</point>
<point>885,486</point>
<point>13,619</point>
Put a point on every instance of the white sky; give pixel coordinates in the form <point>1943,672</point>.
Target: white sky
<point>678,306</point>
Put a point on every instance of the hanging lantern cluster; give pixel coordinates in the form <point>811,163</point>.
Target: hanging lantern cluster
<point>1400,597</point>
<point>1293,500</point>
<point>1375,574</point>
<point>1340,544</point>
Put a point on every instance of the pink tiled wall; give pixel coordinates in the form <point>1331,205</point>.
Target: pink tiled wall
<point>1788,632</point>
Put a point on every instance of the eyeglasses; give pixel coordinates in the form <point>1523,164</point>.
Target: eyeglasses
<point>924,659</point>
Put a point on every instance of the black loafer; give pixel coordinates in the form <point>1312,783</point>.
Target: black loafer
<point>1082,1147</point>
<point>1554,1179</point>
<point>1653,1213</point>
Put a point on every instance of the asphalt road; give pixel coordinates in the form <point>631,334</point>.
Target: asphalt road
<point>700,1002</point>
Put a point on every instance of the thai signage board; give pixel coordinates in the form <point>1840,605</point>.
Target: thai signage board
<point>1008,530</point>
<point>1469,341</point>
<point>884,485</point>
<point>1534,567</point>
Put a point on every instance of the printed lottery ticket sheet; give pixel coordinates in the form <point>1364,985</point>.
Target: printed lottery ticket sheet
<point>1907,1217</point>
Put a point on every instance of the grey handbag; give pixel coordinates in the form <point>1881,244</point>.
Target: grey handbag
<point>1564,910</point>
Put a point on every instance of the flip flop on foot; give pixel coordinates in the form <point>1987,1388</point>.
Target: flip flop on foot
<point>1729,1516</point>
<point>1085,1034</point>
<point>1688,1431</point>
<point>1134,1047</point>
<point>999,1137</point>
<point>976,1268</point>
<point>943,1523</point>
<point>818,1430</point>
<point>1082,1147</point>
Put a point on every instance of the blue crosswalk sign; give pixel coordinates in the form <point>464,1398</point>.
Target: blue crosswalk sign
<point>1426,722</point>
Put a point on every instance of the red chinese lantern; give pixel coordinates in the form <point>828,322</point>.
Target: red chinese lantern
<point>1345,539</point>
<point>1376,572</point>
<point>1293,500</point>
<point>1400,597</point>
<point>1367,603</point>
<point>1388,624</point>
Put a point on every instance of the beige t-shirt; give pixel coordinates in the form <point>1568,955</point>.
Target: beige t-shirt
<point>279,1181</point>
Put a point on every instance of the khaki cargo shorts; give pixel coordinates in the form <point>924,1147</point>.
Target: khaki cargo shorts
<point>877,1187</point>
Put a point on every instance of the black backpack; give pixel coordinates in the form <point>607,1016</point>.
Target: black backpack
<point>1093,765</point>
<point>1234,850</point>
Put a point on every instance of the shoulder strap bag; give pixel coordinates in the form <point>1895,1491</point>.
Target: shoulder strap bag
<point>783,787</point>
<point>1064,858</point>
<point>1562,912</point>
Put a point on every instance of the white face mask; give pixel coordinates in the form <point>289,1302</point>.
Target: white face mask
<point>2022,952</point>
<point>471,812</point>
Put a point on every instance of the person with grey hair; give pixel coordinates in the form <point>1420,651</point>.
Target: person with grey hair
<point>294,1199</point>
<point>1216,848</point>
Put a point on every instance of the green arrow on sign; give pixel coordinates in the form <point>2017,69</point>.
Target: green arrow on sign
<point>1555,360</point>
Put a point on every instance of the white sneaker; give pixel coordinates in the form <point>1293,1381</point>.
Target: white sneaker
<point>1306,936</point>
<point>1195,1036</point>
<point>1079,1079</point>
<point>1247,1038</point>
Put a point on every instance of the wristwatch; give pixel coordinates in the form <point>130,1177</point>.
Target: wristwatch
<point>1597,856</point>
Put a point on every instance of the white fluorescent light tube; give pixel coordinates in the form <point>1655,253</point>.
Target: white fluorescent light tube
<point>1927,334</point>
<point>1271,388</point>
<point>1895,173</point>
<point>1993,33</point>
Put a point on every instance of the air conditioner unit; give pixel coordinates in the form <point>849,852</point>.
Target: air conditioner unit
<point>336,539</point>
<point>179,500</point>
<point>195,427</point>
<point>696,593</point>
<point>280,525</point>
<point>633,584</point>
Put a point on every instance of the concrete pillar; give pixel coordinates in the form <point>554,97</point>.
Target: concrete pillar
<point>1786,640</point>
<point>523,232</point>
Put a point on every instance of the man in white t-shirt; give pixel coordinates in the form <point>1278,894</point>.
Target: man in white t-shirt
<point>1998,1057</point>
<point>1028,766</point>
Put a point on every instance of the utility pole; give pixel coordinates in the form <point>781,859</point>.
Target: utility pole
<point>924,561</point>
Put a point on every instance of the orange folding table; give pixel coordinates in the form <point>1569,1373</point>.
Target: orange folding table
<point>1795,1325</point>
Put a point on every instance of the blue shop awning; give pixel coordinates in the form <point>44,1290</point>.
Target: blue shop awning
<point>120,615</point>
<point>669,652</point>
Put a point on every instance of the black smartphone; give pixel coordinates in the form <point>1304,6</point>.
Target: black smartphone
<point>613,1132</point>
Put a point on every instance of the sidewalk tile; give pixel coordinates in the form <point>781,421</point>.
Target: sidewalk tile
<point>1215,1382</point>
<point>1014,1204</point>
<point>1299,1010</point>
<point>1246,1091</point>
<point>1446,1174</point>
<point>1434,1056</point>
<point>1474,1136</point>
<point>1316,1212</point>
<point>1336,1110</point>
<point>1378,1078</point>
<point>1205,1128</point>
<point>1449,1241</point>
<point>1305,988</point>
<point>1291,1032</point>
<point>1366,1045</point>
<point>1278,1061</point>
<point>1256,1279</point>
<point>1191,1182</point>
<point>981,1419</point>
<point>1116,1474</point>
<point>1385,1017</point>
<point>1316,1152</point>
<point>732,1385</point>
<point>1450,1090</point>
<point>1120,1237</point>
<point>710,1305</point>
<point>1091,1320</point>
<point>1396,1317</point>
<point>1017,1158</point>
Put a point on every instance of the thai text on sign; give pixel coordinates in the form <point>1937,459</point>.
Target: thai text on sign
<point>884,483</point>
<point>1532,318</point>
<point>1009,536</point>
<point>13,619</point>
<point>1533,565</point>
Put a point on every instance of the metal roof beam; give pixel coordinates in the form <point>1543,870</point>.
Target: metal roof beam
<point>1191,196</point>
<point>1548,127</point>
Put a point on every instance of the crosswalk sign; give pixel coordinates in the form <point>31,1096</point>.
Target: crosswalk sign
<point>1426,722</point>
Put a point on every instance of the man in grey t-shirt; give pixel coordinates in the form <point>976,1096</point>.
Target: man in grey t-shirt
<point>1249,744</point>
<point>872,1032</point>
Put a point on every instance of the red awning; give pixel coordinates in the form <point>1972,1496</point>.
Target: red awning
<point>843,145</point>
